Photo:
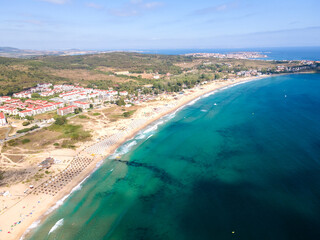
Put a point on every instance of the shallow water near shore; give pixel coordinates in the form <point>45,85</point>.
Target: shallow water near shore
<point>243,163</point>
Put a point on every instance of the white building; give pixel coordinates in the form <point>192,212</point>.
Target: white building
<point>82,105</point>
<point>3,121</point>
<point>25,113</point>
<point>66,110</point>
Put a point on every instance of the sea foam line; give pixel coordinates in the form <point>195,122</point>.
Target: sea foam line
<point>56,226</point>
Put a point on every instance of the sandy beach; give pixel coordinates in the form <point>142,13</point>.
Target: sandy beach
<point>26,210</point>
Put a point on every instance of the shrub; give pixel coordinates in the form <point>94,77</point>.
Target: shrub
<point>120,102</point>
<point>25,123</point>
<point>77,110</point>
<point>26,140</point>
<point>29,118</point>
<point>35,95</point>
<point>82,117</point>
<point>61,120</point>
<point>96,114</point>
<point>12,142</point>
<point>128,114</point>
<point>68,144</point>
<point>28,129</point>
<point>56,144</point>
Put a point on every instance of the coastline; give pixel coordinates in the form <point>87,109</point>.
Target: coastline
<point>45,204</point>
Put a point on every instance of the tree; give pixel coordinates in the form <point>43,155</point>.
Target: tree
<point>35,95</point>
<point>217,76</point>
<point>61,120</point>
<point>25,123</point>
<point>1,175</point>
<point>120,102</point>
<point>29,118</point>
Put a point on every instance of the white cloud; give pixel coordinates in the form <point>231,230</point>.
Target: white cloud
<point>151,5</point>
<point>56,1</point>
<point>218,8</point>
<point>94,5</point>
<point>135,7</point>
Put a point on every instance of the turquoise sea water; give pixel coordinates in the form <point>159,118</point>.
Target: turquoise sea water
<point>243,163</point>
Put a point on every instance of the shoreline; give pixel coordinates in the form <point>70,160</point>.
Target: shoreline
<point>44,210</point>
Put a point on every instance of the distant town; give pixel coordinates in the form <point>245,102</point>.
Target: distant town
<point>235,55</point>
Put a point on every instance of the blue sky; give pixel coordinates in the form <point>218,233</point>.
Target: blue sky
<point>158,24</point>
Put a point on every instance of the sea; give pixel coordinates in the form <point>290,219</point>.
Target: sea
<point>273,53</point>
<point>239,163</point>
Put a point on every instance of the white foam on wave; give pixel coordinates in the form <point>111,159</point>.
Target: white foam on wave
<point>151,129</point>
<point>209,94</point>
<point>204,110</point>
<point>143,135</point>
<point>150,136</point>
<point>140,136</point>
<point>124,149</point>
<point>56,226</point>
<point>98,165</point>
<point>193,101</point>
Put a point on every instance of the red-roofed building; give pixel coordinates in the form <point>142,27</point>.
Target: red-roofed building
<point>66,110</point>
<point>58,104</point>
<point>3,120</point>
<point>4,98</point>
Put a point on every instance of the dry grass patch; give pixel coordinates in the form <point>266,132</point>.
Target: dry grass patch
<point>16,158</point>
<point>46,116</point>
<point>3,132</point>
<point>38,141</point>
<point>86,75</point>
<point>79,74</point>
<point>192,64</point>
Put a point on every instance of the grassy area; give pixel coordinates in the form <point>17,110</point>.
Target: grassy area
<point>83,117</point>
<point>74,132</point>
<point>128,113</point>
<point>70,133</point>
<point>65,136</point>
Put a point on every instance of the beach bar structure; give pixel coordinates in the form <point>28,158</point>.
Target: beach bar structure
<point>47,163</point>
